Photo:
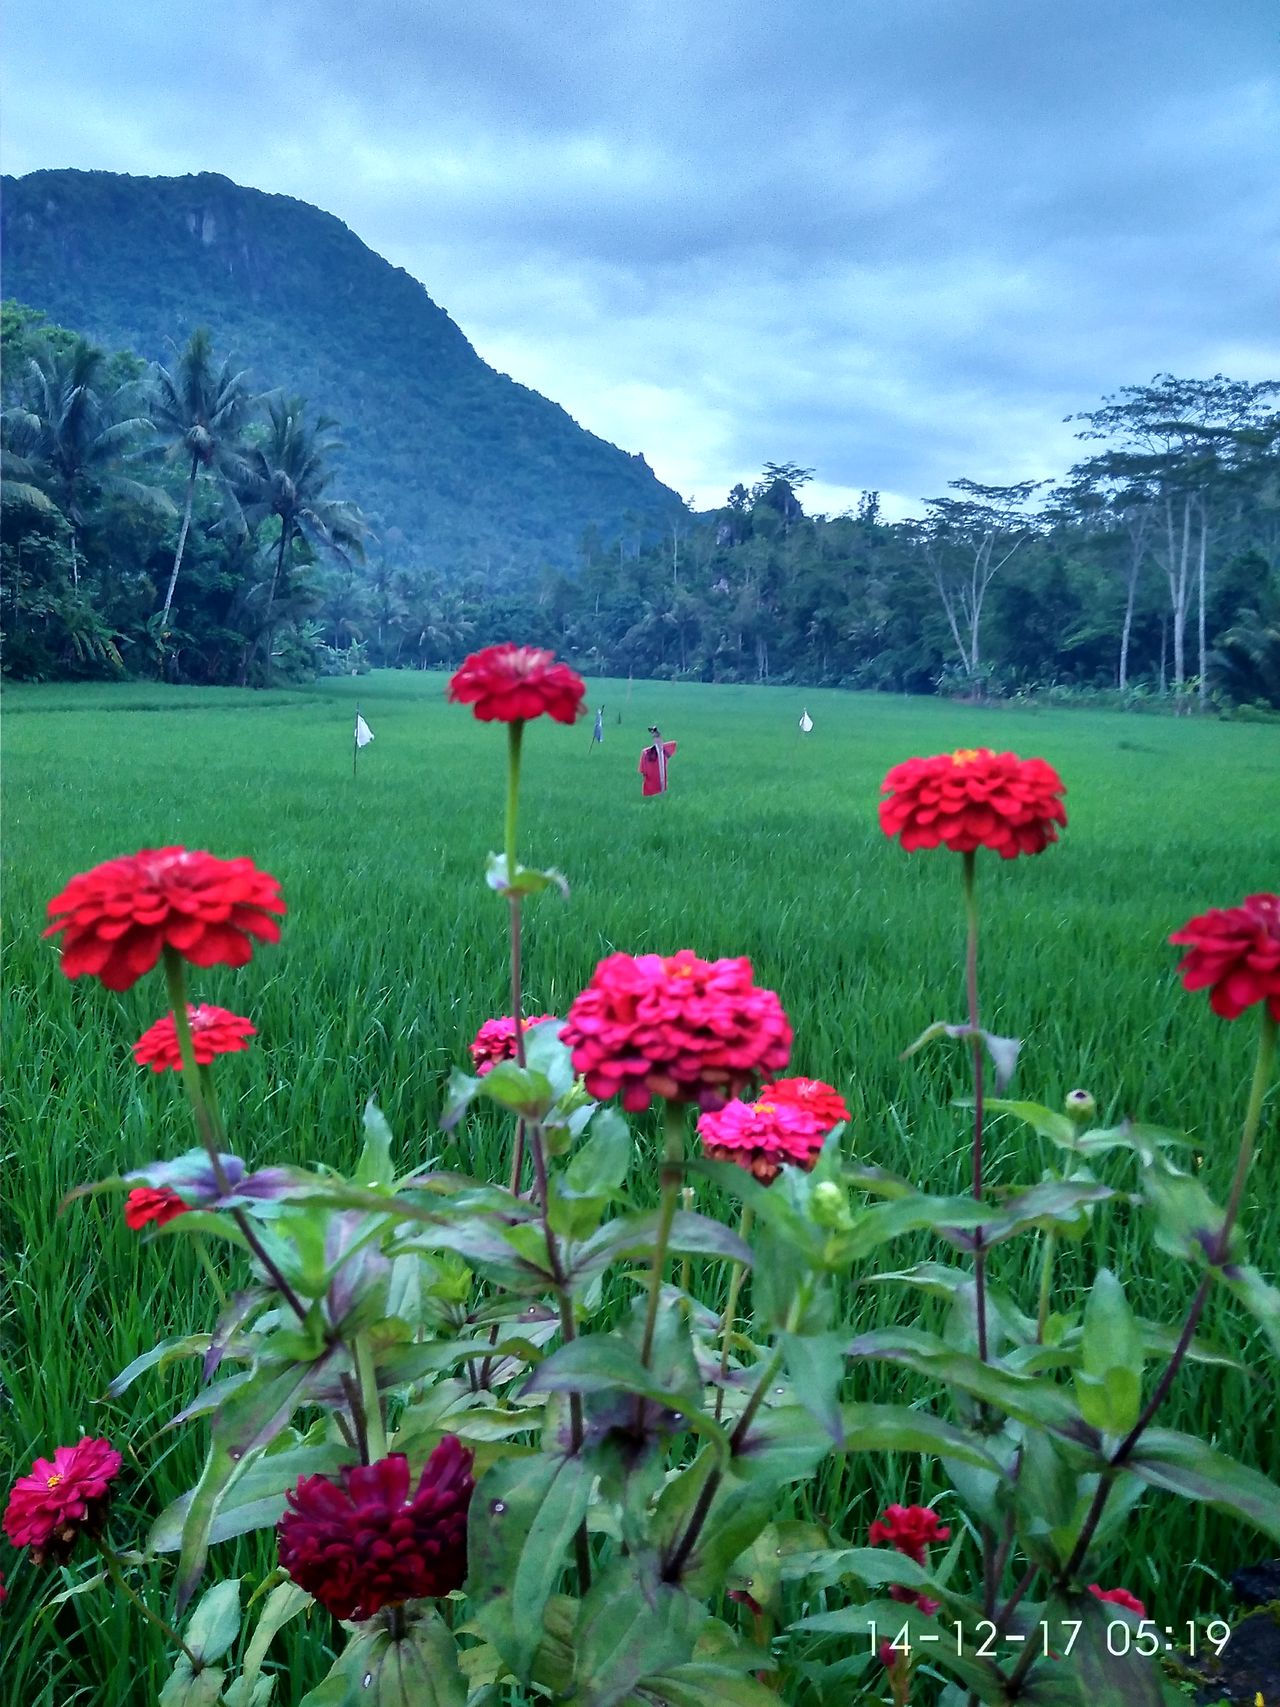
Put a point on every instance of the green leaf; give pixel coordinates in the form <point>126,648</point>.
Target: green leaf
<point>1187,1219</point>
<point>525,881</point>
<point>85,1587</point>
<point>284,1602</point>
<point>520,1089</point>
<point>815,1363</point>
<point>420,1670</point>
<point>1184,1465</point>
<point>1259,1297</point>
<point>1028,1398</point>
<point>189,1345</point>
<point>1059,1205</point>
<point>524,1515</point>
<point>887,1617</point>
<point>631,1626</point>
<point>187,1688</point>
<point>1056,1127</point>
<point>215,1623</point>
<point>607,1363</point>
<point>375,1166</point>
<point>600,1166</point>
<point>739,1511</point>
<point>1109,1380</point>
<point>256,1499</point>
<point>899,1428</point>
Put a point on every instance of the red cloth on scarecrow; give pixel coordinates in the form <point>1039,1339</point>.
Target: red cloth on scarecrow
<point>653,767</point>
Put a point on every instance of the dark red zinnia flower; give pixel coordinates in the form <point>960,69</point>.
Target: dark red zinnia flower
<point>1235,951</point>
<point>214,1031</point>
<point>1119,1597</point>
<point>371,1541</point>
<point>675,1026</point>
<point>761,1136</point>
<point>118,917</point>
<point>822,1101</point>
<point>974,798</point>
<point>63,1498</point>
<point>511,684</point>
<point>496,1041</point>
<point>147,1203</point>
<point>910,1529</point>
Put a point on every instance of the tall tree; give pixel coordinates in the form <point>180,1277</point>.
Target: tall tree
<point>285,477</point>
<point>202,413</point>
<point>82,430</point>
<point>966,542</point>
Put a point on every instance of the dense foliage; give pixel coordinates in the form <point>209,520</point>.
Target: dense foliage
<point>1152,572</point>
<point>455,465</point>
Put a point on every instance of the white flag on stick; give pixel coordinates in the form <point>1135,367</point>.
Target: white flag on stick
<point>806,722</point>
<point>363,732</point>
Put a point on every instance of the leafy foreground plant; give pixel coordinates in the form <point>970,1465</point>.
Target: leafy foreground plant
<point>524,1442</point>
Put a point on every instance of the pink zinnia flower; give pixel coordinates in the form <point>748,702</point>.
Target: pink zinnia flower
<point>761,1136</point>
<point>677,1027</point>
<point>63,1498</point>
<point>496,1041</point>
<point>910,1529</point>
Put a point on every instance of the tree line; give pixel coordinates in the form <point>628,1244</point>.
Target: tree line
<point>160,520</point>
<point>170,521</point>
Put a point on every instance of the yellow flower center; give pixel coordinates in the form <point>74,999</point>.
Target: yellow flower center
<point>966,755</point>
<point>764,1107</point>
<point>53,1480</point>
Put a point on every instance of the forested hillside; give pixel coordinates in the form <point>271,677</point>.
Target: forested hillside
<point>455,466</point>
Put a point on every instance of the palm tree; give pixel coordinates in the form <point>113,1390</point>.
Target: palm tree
<point>286,476</point>
<point>202,414</point>
<point>78,433</point>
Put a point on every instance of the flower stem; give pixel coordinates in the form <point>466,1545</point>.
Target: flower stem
<point>176,978</point>
<point>131,1594</point>
<point>979,1111</point>
<point>515,735</point>
<point>731,1308</point>
<point>1047,1252</point>
<point>1262,1066</point>
<point>374,1423</point>
<point>673,1126</point>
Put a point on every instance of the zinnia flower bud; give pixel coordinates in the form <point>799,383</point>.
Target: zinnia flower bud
<point>829,1206</point>
<point>1081,1106</point>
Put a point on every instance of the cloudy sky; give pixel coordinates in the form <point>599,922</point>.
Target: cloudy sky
<point>896,241</point>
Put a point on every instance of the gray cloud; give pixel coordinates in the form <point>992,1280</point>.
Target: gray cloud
<point>896,243</point>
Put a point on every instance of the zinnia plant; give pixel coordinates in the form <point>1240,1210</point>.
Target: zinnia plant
<point>540,1439</point>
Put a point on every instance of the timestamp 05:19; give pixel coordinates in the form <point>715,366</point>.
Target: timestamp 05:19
<point>1056,1638</point>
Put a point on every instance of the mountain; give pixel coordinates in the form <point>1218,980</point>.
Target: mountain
<point>455,465</point>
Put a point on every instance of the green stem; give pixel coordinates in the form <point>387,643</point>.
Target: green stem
<point>202,1251</point>
<point>131,1594</point>
<point>1262,1066</point>
<point>673,1126</point>
<point>736,1279</point>
<point>176,978</point>
<point>375,1428</point>
<point>1047,1252</point>
<point>979,1110</point>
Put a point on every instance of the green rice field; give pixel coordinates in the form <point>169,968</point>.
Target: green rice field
<point>394,951</point>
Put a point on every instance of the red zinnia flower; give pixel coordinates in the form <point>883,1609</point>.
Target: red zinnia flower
<point>214,1031</point>
<point>910,1529</point>
<point>1237,951</point>
<point>822,1101</point>
<point>761,1136</point>
<point>62,1499</point>
<point>1119,1597</point>
<point>119,916</point>
<point>496,1041</point>
<point>372,1542</point>
<point>511,684</point>
<point>973,798</point>
<point>146,1203</point>
<point>674,1026</point>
